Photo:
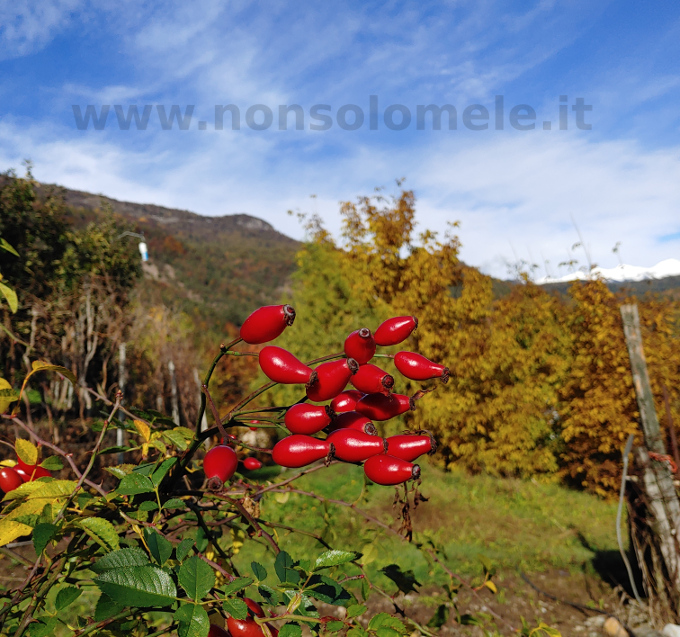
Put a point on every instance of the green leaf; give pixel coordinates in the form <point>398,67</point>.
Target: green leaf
<point>236,608</point>
<point>10,296</point>
<point>6,246</point>
<point>283,565</point>
<point>134,484</point>
<point>327,590</point>
<point>26,451</point>
<point>121,470</point>
<point>383,620</point>
<point>138,586</point>
<point>149,505</point>
<point>43,534</point>
<point>268,594</point>
<point>440,617</point>
<point>174,503</point>
<point>237,585</point>
<point>123,558</point>
<point>42,366</point>
<point>66,597</point>
<point>53,463</point>
<point>355,610</point>
<point>183,548</point>
<point>405,580</point>
<point>259,571</point>
<point>160,548</point>
<point>196,578</point>
<point>162,470</point>
<point>334,627</point>
<point>176,439</point>
<point>357,632</point>
<point>43,628</point>
<point>334,558</point>
<point>291,629</point>
<point>383,631</point>
<point>193,621</point>
<point>106,608</point>
<point>102,532</point>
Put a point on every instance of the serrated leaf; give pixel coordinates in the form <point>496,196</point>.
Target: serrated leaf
<point>334,558</point>
<point>176,439</point>
<point>7,395</point>
<point>10,296</point>
<point>142,429</point>
<point>355,610</point>
<point>66,597</point>
<point>384,631</point>
<point>196,578</point>
<point>138,586</point>
<point>193,621</point>
<point>334,627</point>
<point>53,463</point>
<point>122,558</point>
<point>160,548</point>
<point>42,366</point>
<point>134,484</point>
<point>38,494</point>
<point>327,590</point>
<point>102,532</point>
<point>237,585</point>
<point>106,608</point>
<point>383,620</point>
<point>11,530</point>
<point>174,503</point>
<point>148,505</point>
<point>185,432</point>
<point>283,565</point>
<point>291,629</point>
<point>183,548</point>
<point>26,451</point>
<point>43,534</point>
<point>43,628</point>
<point>121,470</point>
<point>357,632</point>
<point>162,470</point>
<point>268,594</point>
<point>236,608</point>
<point>259,571</point>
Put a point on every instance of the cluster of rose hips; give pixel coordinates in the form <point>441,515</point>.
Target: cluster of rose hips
<point>351,435</point>
<point>13,477</point>
<point>247,627</point>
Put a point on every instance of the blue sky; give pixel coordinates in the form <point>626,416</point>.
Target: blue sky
<point>514,191</point>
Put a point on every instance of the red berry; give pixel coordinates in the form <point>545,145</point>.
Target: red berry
<point>266,323</point>
<point>281,366</point>
<point>29,472</point>
<point>387,470</point>
<point>217,631</point>
<point>307,419</point>
<point>9,479</point>
<point>220,462</point>
<point>298,450</point>
<point>244,627</point>
<point>410,446</point>
<point>346,400</point>
<point>331,379</point>
<point>370,379</point>
<point>360,345</point>
<point>353,420</point>
<point>26,477</point>
<point>395,330</point>
<point>254,608</point>
<point>252,464</point>
<point>355,446</point>
<point>381,407</point>
<point>417,367</point>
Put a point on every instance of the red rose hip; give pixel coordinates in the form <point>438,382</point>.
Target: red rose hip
<point>331,379</point>
<point>217,631</point>
<point>417,367</point>
<point>352,420</point>
<point>307,419</point>
<point>395,330</point>
<point>346,400</point>
<point>360,345</point>
<point>381,407</point>
<point>410,446</point>
<point>244,627</point>
<point>371,379</point>
<point>220,462</point>
<point>9,479</point>
<point>281,366</point>
<point>252,464</point>
<point>355,446</point>
<point>298,451</point>
<point>388,470</point>
<point>266,323</point>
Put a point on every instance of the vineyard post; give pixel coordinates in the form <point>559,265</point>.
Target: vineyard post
<point>657,488</point>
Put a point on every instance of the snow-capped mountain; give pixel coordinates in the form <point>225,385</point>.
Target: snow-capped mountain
<point>667,267</point>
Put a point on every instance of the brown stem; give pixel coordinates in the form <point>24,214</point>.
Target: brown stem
<point>255,525</point>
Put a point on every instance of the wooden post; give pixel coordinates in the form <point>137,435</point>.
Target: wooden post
<point>658,492</point>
